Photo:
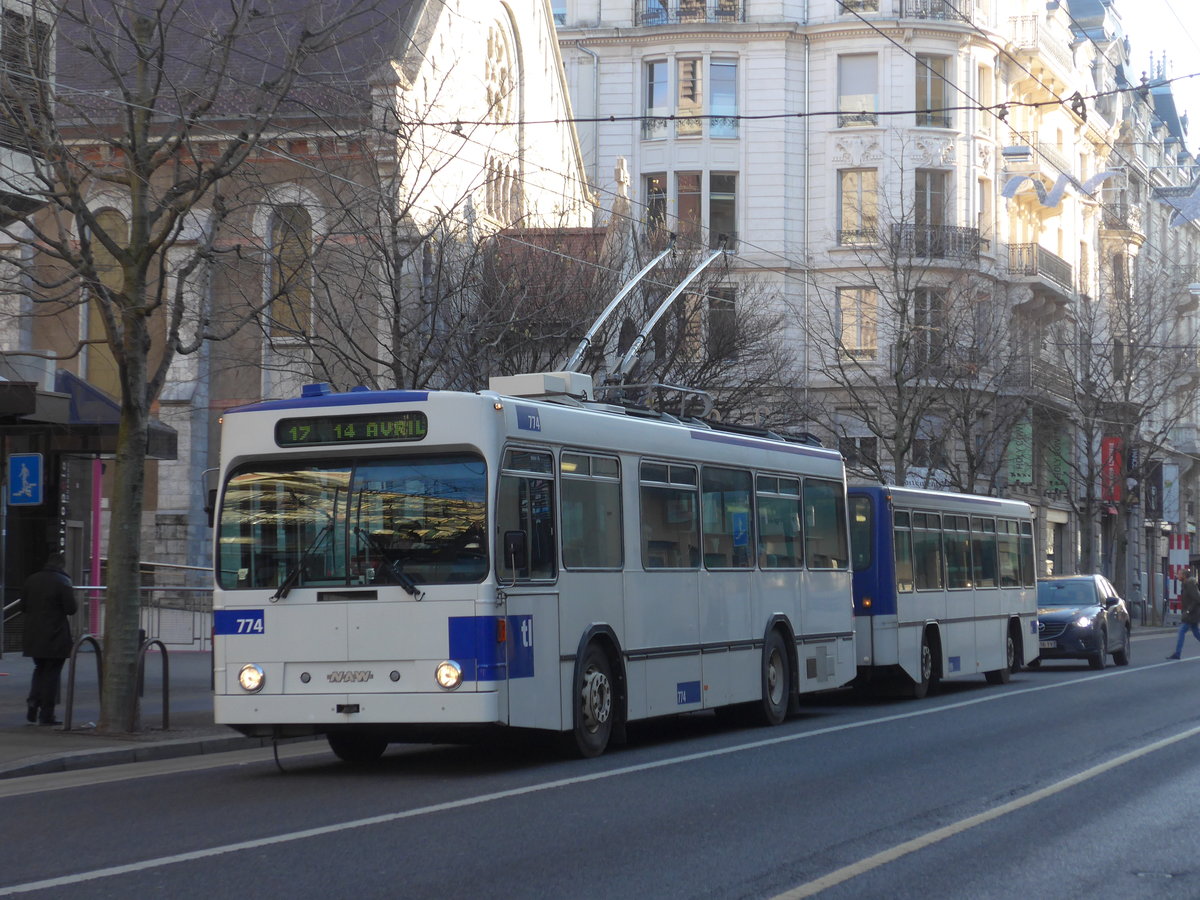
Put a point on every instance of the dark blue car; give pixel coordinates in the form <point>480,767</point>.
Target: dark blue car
<point>1082,617</point>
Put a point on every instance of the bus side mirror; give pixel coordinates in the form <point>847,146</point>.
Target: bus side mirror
<point>516,551</point>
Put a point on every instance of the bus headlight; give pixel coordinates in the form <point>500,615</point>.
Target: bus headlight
<point>251,678</point>
<point>449,674</point>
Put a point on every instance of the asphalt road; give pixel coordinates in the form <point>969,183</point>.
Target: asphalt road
<point>1064,783</point>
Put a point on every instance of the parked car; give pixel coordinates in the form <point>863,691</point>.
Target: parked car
<point>1082,617</point>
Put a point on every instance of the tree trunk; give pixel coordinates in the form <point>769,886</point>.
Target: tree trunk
<point>122,601</point>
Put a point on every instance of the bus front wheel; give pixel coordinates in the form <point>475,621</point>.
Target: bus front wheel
<point>356,748</point>
<point>776,680</point>
<point>595,705</point>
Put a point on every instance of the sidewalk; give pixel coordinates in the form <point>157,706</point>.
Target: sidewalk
<point>32,749</point>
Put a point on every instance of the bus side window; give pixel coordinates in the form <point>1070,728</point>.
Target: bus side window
<point>670,516</point>
<point>983,551</point>
<point>526,503</point>
<point>902,537</point>
<point>825,525</point>
<point>779,517</point>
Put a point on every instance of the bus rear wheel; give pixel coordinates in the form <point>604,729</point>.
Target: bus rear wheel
<point>920,686</point>
<point>356,748</point>
<point>776,681</point>
<point>595,705</point>
<point>1004,675</point>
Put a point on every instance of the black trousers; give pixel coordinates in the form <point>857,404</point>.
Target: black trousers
<point>43,692</point>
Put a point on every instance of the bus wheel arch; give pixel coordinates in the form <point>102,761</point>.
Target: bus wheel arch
<point>598,694</point>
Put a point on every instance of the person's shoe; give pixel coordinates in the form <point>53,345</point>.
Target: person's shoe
<point>1174,656</point>
<point>31,713</point>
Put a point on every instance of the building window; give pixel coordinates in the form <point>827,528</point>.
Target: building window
<point>685,99</point>
<point>857,206</point>
<point>656,202</point>
<point>930,206</point>
<point>657,107</point>
<point>929,332</point>
<point>688,203</point>
<point>25,57</point>
<point>858,96</point>
<point>987,118</point>
<point>722,209</point>
<point>498,76</point>
<point>858,308</point>
<point>859,452</point>
<point>721,333</point>
<point>689,98</point>
<point>931,100</point>
<point>723,105</point>
<point>291,272</point>
<point>849,7</point>
<point>559,8</point>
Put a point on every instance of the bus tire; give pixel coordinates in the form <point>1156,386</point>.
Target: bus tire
<point>595,702</point>
<point>776,681</point>
<point>920,687</point>
<point>356,748</point>
<point>1004,675</point>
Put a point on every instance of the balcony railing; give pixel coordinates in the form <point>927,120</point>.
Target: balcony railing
<point>933,9</point>
<point>937,241</point>
<point>1035,261</point>
<point>1030,35</point>
<point>663,12</point>
<point>1031,373</point>
<point>1122,216</point>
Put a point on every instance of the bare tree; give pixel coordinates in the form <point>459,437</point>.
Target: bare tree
<point>132,150</point>
<point>913,352</point>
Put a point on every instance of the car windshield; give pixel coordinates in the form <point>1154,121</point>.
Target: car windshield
<point>1067,593</point>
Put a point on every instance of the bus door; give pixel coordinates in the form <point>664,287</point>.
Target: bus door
<point>526,569</point>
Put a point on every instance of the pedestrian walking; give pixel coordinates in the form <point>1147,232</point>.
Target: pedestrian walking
<point>47,599</point>
<point>1190,619</point>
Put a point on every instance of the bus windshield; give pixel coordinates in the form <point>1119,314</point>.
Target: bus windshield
<point>395,520</point>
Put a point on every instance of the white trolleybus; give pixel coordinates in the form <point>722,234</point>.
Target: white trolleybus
<point>944,585</point>
<point>399,565</point>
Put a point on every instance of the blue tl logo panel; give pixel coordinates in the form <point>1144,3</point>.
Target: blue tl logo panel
<point>528,418</point>
<point>474,646</point>
<point>238,621</point>
<point>687,692</point>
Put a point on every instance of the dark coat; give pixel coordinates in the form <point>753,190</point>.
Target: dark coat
<point>47,598</point>
<point>1190,597</point>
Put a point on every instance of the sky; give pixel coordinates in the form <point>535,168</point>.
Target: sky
<point>1173,27</point>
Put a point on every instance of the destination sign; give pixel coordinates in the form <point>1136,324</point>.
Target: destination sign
<point>362,429</point>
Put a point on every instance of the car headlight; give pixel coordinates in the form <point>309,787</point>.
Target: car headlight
<point>1083,622</point>
<point>251,678</point>
<point>448,674</point>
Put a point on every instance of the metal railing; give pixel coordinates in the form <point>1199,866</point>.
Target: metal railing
<point>937,241</point>
<point>662,12</point>
<point>1036,261</point>
<point>933,9</point>
<point>69,699</point>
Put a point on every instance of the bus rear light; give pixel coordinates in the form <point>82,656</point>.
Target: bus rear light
<point>501,631</point>
<point>866,602</point>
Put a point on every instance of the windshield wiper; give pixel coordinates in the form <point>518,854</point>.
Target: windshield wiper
<point>293,575</point>
<point>391,565</point>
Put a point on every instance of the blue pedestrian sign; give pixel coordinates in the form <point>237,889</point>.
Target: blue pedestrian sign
<point>25,473</point>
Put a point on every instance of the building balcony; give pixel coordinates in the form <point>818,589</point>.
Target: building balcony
<point>683,12</point>
<point>1185,438</point>
<point>937,241</point>
<point>1037,42</point>
<point>1035,262</point>
<point>933,9</point>
<point>1121,216</point>
<point>1030,374</point>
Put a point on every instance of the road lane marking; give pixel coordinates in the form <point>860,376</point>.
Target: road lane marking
<point>838,876</point>
<point>386,818</point>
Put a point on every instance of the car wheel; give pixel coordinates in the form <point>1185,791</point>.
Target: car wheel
<point>1099,659</point>
<point>1121,657</point>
